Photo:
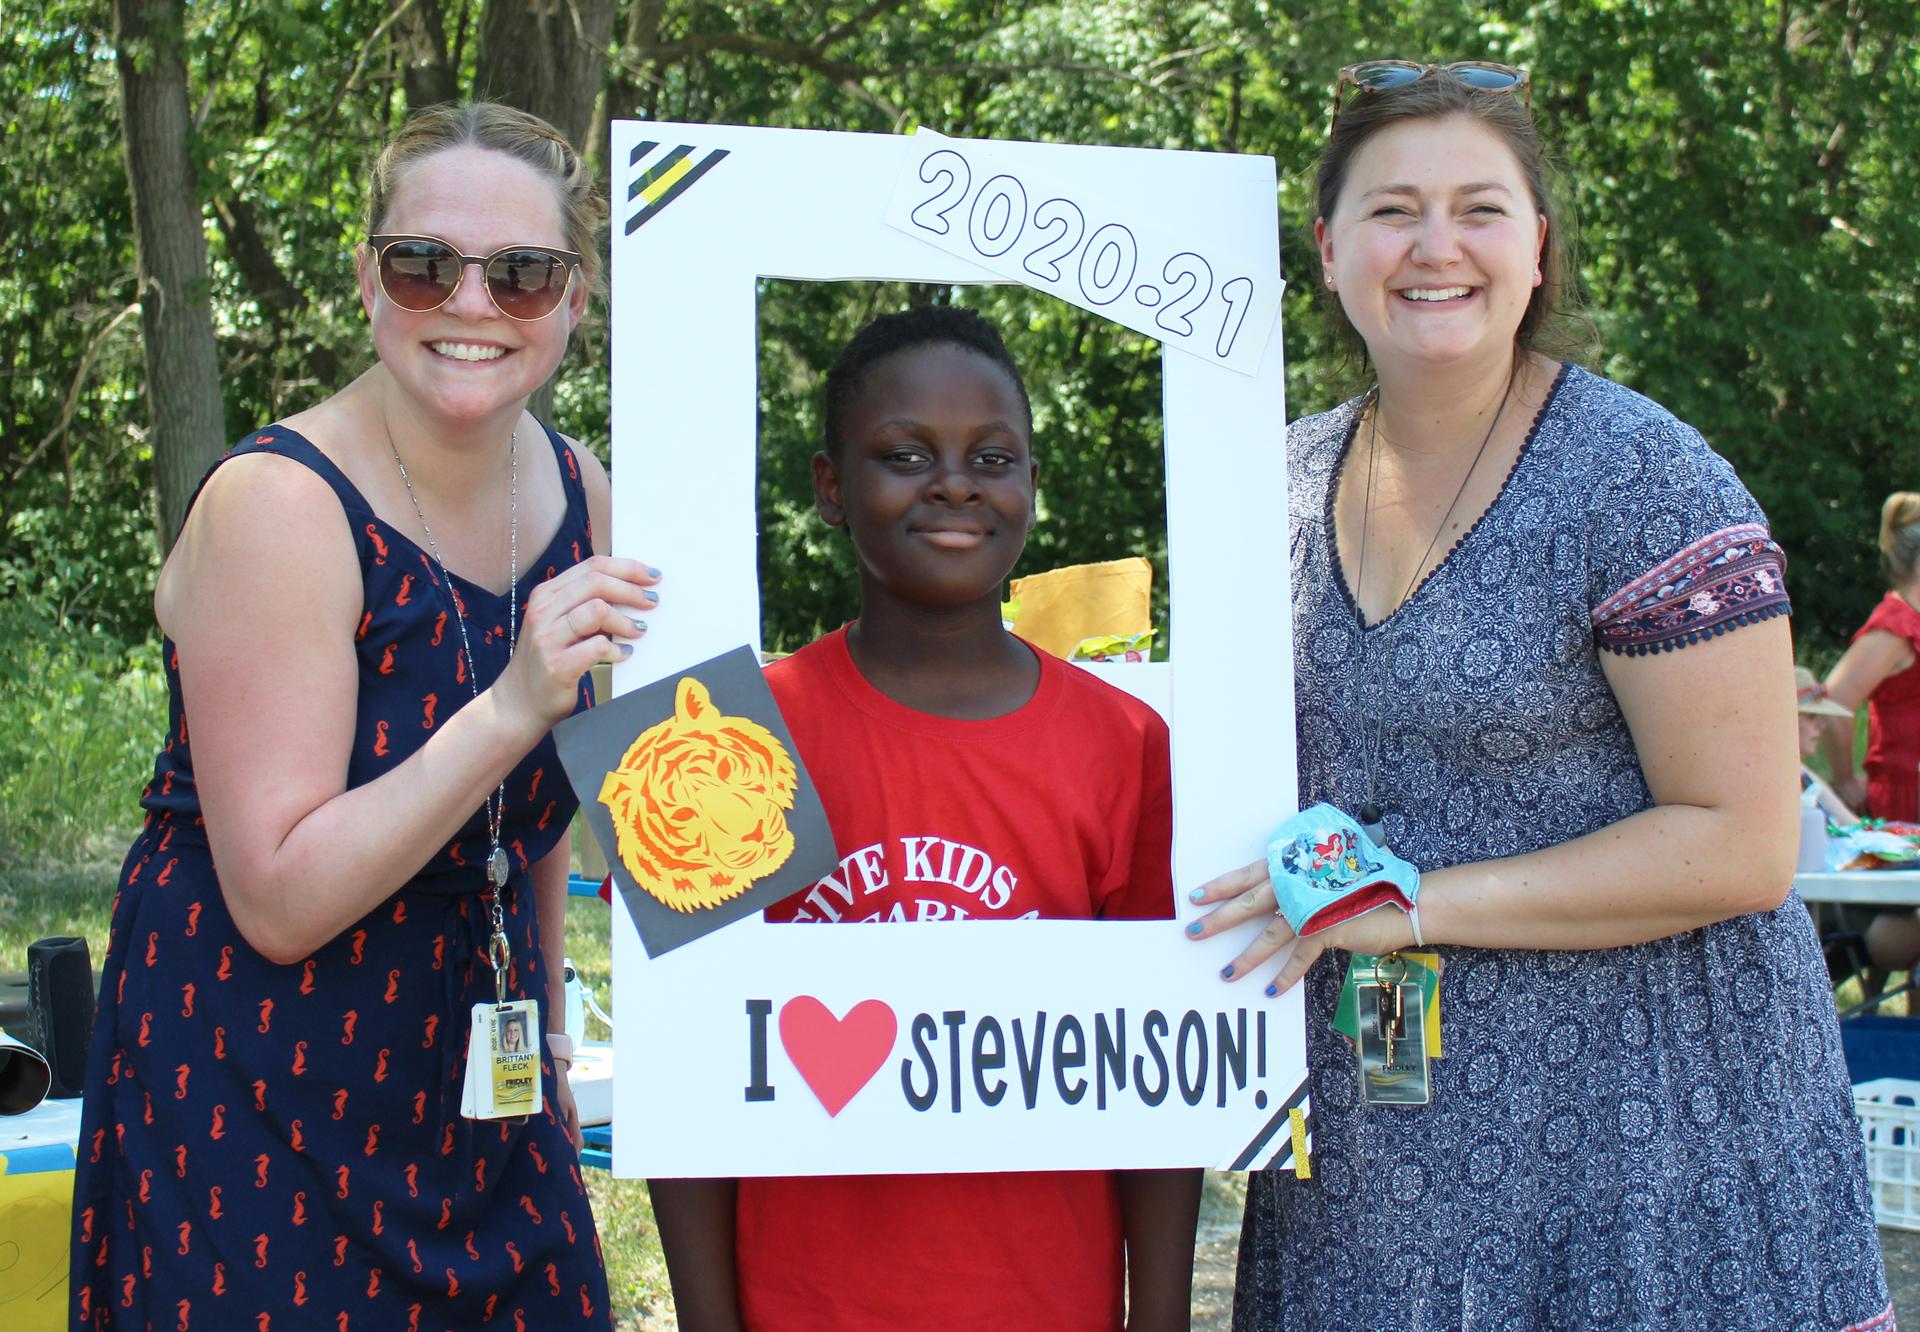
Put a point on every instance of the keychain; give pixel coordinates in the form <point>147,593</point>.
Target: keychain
<point>1393,1037</point>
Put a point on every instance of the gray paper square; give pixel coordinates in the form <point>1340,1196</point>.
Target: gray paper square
<point>593,744</point>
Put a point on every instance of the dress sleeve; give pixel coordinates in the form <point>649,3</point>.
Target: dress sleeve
<point>1680,550</point>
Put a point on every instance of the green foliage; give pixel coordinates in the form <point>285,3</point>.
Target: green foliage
<point>84,712</point>
<point>1744,176</point>
<point>1742,172</point>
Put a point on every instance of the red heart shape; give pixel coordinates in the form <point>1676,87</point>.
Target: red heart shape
<point>837,1056</point>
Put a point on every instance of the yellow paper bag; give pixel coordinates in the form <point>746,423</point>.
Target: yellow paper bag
<point>34,1233</point>
<point>1061,607</point>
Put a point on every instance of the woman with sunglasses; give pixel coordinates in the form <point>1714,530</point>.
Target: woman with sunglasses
<point>1542,655</point>
<point>375,612</point>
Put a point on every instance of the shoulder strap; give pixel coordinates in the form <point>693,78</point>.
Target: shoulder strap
<point>570,478</point>
<point>279,440</point>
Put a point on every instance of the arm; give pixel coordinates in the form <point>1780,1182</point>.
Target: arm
<point>1160,1210</point>
<point>1713,727</point>
<point>550,875</point>
<point>1837,744</point>
<point>1823,796</point>
<point>550,905</point>
<point>696,1221</point>
<point>262,597</point>
<point>1872,658</point>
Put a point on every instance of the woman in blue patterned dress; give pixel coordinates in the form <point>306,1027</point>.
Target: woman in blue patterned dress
<point>374,613</point>
<point>1539,629</point>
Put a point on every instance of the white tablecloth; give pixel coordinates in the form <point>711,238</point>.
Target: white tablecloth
<point>1861,887</point>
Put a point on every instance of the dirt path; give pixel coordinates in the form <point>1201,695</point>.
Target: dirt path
<point>1213,1264</point>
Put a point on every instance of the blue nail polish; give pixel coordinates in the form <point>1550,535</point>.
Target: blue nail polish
<point>1197,895</point>
<point>651,597</point>
<point>1196,927</point>
<point>1226,972</point>
<point>653,571</point>
<point>626,650</point>
<point>1273,989</point>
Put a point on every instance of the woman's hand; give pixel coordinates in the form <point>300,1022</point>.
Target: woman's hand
<point>589,614</point>
<point>1247,894</point>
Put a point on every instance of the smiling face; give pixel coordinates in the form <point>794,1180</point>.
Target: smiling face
<point>466,362</point>
<point>934,478</point>
<point>1434,246</point>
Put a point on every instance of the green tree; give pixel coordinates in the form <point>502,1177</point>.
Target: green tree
<point>1740,168</point>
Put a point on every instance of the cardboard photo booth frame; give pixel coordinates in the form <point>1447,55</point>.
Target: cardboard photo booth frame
<point>981,1045</point>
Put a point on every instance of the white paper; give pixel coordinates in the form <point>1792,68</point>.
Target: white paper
<point>811,205</point>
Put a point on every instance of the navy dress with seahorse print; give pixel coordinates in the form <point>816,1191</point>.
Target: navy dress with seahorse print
<point>279,1148</point>
<point>1647,1138</point>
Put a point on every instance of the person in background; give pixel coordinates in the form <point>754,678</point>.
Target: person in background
<point>1881,668</point>
<point>375,612</point>
<point>1814,708</point>
<point>1540,645</point>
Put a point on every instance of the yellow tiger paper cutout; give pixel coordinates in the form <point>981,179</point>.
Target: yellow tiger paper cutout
<point>700,803</point>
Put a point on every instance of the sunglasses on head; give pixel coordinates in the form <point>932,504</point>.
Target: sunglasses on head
<point>1386,75</point>
<point>421,273</point>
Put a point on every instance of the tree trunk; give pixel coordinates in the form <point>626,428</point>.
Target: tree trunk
<point>428,76</point>
<point>546,56</point>
<point>176,320</point>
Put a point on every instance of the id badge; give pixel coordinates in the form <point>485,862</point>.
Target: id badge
<point>1393,1045</point>
<point>503,1062</point>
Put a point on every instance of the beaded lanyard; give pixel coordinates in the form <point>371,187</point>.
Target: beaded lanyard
<point>499,952</point>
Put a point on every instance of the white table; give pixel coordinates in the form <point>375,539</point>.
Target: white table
<point>1861,887</point>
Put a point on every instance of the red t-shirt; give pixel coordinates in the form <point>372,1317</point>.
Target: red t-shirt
<point>1893,720</point>
<point>1060,809</point>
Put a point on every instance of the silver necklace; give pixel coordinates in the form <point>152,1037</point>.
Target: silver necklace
<point>497,802</point>
<point>1372,816</point>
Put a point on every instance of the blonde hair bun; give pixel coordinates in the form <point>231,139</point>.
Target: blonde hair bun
<point>1900,537</point>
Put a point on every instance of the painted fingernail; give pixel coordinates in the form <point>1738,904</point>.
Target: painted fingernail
<point>653,572</point>
<point>1273,989</point>
<point>639,626</point>
<point>626,650</point>
<point>1226,972</point>
<point>1197,895</point>
<point>1196,927</point>
<point>651,597</point>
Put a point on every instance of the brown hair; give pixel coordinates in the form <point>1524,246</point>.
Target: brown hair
<point>1900,537</point>
<point>505,129</point>
<point>1552,323</point>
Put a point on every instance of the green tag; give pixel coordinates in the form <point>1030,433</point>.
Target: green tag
<point>1364,969</point>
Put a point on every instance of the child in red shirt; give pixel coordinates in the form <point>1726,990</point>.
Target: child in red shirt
<point>966,775</point>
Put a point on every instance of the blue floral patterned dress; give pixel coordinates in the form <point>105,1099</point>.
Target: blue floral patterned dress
<point>1653,1137</point>
<point>279,1148</point>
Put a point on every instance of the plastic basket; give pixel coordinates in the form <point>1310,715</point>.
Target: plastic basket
<point>1889,1110</point>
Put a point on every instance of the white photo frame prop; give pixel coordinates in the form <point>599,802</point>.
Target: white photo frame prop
<point>976,1046</point>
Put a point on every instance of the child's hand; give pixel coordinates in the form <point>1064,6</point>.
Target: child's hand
<point>1247,894</point>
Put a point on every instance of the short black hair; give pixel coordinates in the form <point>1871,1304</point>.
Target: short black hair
<point>918,326</point>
